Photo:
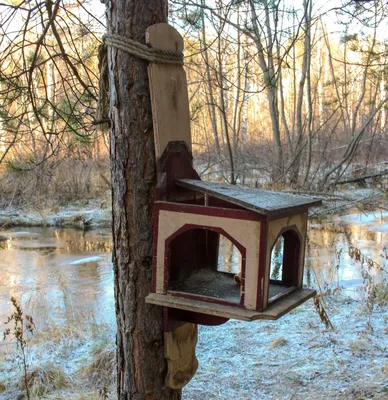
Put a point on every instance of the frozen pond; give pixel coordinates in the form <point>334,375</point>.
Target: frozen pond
<point>57,274</point>
<point>64,279</point>
<point>328,264</point>
<point>60,274</point>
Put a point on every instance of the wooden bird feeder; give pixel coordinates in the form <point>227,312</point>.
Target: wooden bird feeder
<point>191,215</point>
<point>187,274</point>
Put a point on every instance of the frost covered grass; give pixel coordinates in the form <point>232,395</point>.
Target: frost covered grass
<point>296,357</point>
<point>382,292</point>
<point>65,362</point>
<point>44,379</point>
<point>81,214</point>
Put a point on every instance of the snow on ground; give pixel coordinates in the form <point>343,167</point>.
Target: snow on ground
<point>91,213</point>
<point>345,199</point>
<point>357,193</point>
<point>295,357</point>
<point>97,213</point>
<point>366,218</point>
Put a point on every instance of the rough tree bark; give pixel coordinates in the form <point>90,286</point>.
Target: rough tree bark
<point>140,344</point>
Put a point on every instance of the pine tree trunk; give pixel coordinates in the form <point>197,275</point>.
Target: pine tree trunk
<point>140,344</point>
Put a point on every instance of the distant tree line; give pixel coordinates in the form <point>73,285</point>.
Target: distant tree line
<point>280,95</point>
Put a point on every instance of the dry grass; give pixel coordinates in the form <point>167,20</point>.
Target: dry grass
<point>101,370</point>
<point>75,361</point>
<point>381,291</point>
<point>62,181</point>
<point>358,346</point>
<point>92,395</point>
<point>278,342</point>
<point>45,379</point>
<point>319,307</point>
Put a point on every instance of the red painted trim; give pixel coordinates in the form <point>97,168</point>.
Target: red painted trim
<point>262,262</point>
<point>289,212</point>
<point>201,319</point>
<point>171,319</point>
<point>155,247</point>
<point>175,317</point>
<point>210,211</point>
<point>289,228</point>
<point>297,260</point>
<point>188,227</point>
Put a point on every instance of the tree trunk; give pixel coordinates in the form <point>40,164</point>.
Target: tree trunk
<point>236,114</point>
<point>295,168</point>
<point>141,365</point>
<point>224,113</point>
<point>211,102</point>
<point>267,64</point>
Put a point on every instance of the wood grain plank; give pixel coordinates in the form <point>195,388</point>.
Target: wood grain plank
<point>182,363</point>
<point>168,89</point>
<point>273,312</point>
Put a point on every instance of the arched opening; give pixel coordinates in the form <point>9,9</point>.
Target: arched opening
<point>277,259</point>
<point>285,264</point>
<point>229,256</point>
<point>199,265</point>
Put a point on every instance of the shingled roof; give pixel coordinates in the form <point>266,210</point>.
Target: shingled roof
<point>265,202</point>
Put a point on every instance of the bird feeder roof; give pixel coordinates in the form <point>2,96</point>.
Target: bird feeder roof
<point>265,202</point>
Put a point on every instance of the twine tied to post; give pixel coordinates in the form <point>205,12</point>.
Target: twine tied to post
<point>142,51</point>
<point>135,49</point>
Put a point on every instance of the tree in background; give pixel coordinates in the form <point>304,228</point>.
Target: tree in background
<point>287,79</point>
<point>48,86</point>
<point>279,95</point>
<point>360,91</point>
<point>253,42</point>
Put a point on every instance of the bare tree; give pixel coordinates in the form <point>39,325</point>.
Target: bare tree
<point>48,78</point>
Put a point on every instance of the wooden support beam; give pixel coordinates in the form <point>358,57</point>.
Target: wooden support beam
<point>182,363</point>
<point>168,88</point>
<point>171,121</point>
<point>273,312</point>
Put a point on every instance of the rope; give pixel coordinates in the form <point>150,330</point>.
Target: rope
<point>139,50</point>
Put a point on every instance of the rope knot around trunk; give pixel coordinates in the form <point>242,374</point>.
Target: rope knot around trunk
<point>135,49</point>
<point>142,51</point>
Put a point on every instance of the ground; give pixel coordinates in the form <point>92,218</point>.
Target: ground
<point>90,213</point>
<point>296,357</point>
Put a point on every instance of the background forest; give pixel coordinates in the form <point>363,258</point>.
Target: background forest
<point>282,94</point>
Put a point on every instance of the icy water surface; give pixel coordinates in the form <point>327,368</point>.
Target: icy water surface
<point>57,275</point>
<point>328,264</point>
<point>60,274</point>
